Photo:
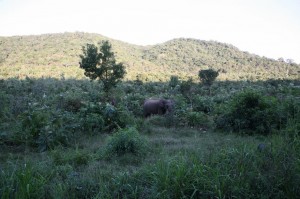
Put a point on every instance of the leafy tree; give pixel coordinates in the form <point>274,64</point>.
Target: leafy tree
<point>208,76</point>
<point>174,81</point>
<point>185,86</point>
<point>101,65</point>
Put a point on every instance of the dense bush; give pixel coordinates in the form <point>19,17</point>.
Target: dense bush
<point>125,141</point>
<point>93,122</point>
<point>45,129</point>
<point>134,103</point>
<point>208,76</point>
<point>198,119</point>
<point>185,86</point>
<point>174,81</point>
<point>250,112</point>
<point>4,101</point>
<point>104,117</point>
<point>203,104</point>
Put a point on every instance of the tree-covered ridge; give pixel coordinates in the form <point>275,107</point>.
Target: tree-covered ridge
<point>182,57</point>
<point>51,49</point>
<point>192,55</point>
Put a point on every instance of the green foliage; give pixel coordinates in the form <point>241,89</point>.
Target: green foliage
<point>22,182</point>
<point>125,141</point>
<point>73,104</point>
<point>208,76</point>
<point>174,81</point>
<point>57,54</point>
<point>183,162</point>
<point>250,112</point>
<point>185,86</point>
<point>197,119</point>
<point>133,102</point>
<point>104,117</point>
<point>43,130</point>
<point>101,65</point>
<point>33,123</point>
<point>4,106</point>
<point>203,104</point>
<point>73,157</point>
<point>93,122</point>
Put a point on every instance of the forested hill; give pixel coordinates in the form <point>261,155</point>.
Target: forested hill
<point>182,57</point>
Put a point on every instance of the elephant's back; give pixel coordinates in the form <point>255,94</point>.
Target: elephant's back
<point>150,101</point>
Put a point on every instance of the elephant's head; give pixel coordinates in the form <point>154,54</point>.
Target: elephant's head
<point>167,105</point>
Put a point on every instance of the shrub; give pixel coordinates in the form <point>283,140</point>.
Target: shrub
<point>185,86</point>
<point>93,122</point>
<point>112,118</point>
<point>4,101</point>
<point>33,122</point>
<point>105,117</point>
<point>197,119</point>
<point>174,81</point>
<point>44,129</point>
<point>73,105</point>
<point>133,102</point>
<point>249,112</point>
<point>208,76</point>
<point>125,141</point>
<point>203,104</point>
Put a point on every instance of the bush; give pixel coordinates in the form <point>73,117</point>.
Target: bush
<point>44,129</point>
<point>116,117</point>
<point>73,105</point>
<point>249,112</point>
<point>93,122</point>
<point>33,122</point>
<point>208,76</point>
<point>4,101</point>
<point>133,102</point>
<point>185,86</point>
<point>105,117</point>
<point>125,141</point>
<point>203,104</point>
<point>197,119</point>
<point>174,81</point>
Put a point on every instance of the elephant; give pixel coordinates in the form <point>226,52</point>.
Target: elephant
<point>157,107</point>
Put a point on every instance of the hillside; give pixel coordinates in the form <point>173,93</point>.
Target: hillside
<point>58,54</point>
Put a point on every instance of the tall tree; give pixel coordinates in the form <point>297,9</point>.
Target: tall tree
<point>101,64</point>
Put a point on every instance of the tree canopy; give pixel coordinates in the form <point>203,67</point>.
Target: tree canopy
<point>101,64</point>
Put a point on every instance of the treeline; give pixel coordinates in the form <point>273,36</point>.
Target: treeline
<point>181,57</point>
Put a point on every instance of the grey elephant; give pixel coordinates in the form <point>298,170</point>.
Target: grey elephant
<point>157,107</point>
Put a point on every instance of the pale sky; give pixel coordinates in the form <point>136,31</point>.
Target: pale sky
<point>268,28</point>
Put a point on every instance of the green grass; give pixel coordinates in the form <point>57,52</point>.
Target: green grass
<point>181,163</point>
<point>51,145</point>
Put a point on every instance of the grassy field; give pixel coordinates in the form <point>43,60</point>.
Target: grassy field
<point>61,138</point>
